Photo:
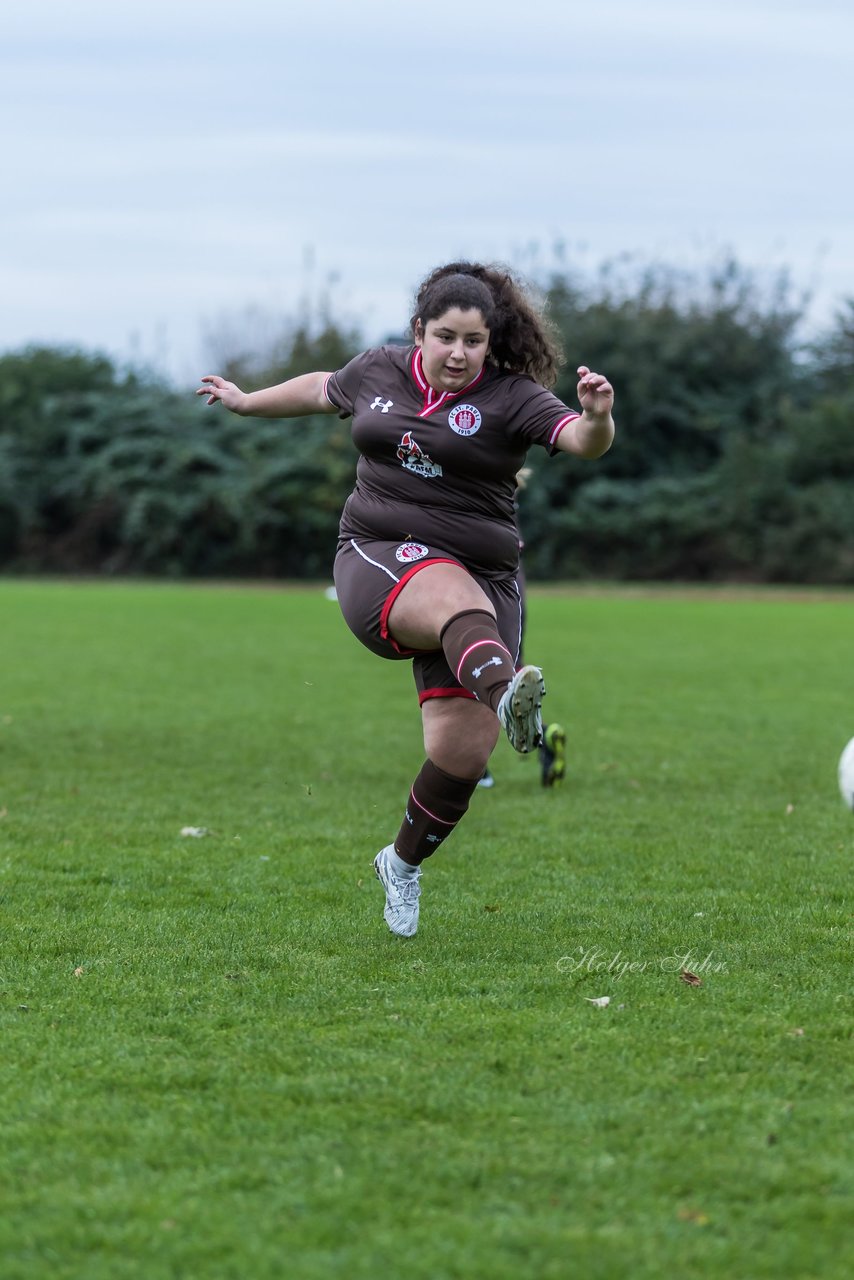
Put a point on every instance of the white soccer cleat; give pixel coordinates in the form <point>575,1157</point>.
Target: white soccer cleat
<point>401,895</point>
<point>520,709</point>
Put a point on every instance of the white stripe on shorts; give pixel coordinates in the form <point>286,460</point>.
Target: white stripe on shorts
<point>519,594</point>
<point>375,563</point>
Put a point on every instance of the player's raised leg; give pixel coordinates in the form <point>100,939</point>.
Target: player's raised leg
<point>443,606</point>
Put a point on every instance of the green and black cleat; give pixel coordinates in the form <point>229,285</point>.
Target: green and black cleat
<point>553,755</point>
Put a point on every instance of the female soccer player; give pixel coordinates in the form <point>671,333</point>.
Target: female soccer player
<point>429,549</point>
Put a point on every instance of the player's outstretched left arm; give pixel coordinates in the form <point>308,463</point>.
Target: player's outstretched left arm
<point>590,435</point>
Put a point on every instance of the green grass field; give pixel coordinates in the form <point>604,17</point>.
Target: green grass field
<point>217,1062</point>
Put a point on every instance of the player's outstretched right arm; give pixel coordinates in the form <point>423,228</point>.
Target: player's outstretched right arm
<point>291,399</point>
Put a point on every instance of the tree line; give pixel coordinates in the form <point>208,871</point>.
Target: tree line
<point>734,458</point>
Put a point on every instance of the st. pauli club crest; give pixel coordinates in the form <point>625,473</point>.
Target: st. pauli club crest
<point>465,419</point>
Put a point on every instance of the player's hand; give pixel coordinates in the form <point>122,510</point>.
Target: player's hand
<point>219,391</point>
<point>595,393</point>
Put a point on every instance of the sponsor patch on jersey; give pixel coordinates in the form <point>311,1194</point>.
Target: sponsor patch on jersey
<point>409,551</point>
<point>465,419</point>
<point>415,459</point>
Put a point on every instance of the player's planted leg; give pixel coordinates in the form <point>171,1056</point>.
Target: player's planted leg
<point>402,891</point>
<point>437,802</point>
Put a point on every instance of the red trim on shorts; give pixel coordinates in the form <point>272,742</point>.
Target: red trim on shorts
<point>395,592</point>
<point>444,693</point>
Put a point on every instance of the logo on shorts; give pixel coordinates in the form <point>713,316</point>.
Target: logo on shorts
<point>408,551</point>
<point>415,459</point>
<point>465,419</point>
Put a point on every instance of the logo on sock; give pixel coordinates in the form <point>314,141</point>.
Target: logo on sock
<point>490,662</point>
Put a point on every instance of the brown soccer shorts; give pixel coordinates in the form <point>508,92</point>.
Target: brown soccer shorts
<point>369,575</point>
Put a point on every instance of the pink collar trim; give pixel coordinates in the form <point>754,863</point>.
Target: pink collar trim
<point>434,400</point>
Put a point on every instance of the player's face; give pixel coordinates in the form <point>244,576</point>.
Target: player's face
<point>453,348</point>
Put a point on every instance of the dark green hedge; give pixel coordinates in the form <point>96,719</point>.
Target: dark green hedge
<point>734,457</point>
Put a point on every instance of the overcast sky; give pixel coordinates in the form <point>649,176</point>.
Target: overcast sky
<point>168,165</point>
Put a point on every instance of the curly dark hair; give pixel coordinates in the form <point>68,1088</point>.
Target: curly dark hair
<point>521,339</point>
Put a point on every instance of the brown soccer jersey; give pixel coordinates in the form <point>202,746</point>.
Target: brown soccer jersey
<point>440,467</point>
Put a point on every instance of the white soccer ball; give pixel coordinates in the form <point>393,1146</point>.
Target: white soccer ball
<point>846,774</point>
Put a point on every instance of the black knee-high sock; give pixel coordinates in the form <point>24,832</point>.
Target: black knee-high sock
<point>477,655</point>
<point>437,801</point>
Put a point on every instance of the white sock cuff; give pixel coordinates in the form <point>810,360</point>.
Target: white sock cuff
<point>398,866</point>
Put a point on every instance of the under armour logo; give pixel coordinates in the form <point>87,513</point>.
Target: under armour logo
<point>382,405</point>
<point>491,662</point>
